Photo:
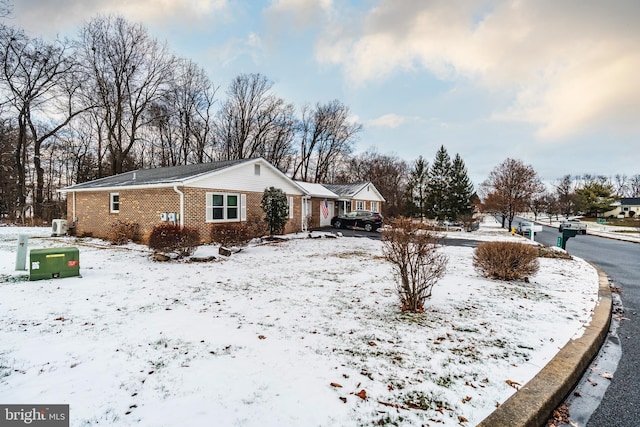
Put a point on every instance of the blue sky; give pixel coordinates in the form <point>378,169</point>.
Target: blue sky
<point>553,84</point>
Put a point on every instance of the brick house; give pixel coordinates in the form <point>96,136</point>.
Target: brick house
<point>356,197</point>
<point>200,196</point>
<point>319,204</point>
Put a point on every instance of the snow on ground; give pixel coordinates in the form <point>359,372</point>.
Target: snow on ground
<point>300,332</point>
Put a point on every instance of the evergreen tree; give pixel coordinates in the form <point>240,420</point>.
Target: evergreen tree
<point>439,182</point>
<point>461,191</point>
<point>276,208</point>
<point>418,188</point>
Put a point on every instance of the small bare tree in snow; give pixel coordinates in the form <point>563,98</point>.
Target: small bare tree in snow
<point>415,257</point>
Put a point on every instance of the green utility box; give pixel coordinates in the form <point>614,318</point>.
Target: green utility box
<point>52,263</point>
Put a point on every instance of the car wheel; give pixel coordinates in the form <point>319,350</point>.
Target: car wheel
<point>584,232</point>
<point>337,224</point>
<point>368,227</point>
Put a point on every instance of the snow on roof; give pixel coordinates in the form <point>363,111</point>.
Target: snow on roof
<point>317,190</point>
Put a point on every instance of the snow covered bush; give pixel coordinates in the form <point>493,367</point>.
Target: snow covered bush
<point>415,257</point>
<point>167,238</point>
<point>506,260</point>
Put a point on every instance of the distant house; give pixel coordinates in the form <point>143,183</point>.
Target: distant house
<point>355,197</point>
<point>627,207</point>
<point>200,196</point>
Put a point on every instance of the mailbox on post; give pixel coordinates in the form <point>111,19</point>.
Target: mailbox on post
<point>566,235</point>
<point>52,263</point>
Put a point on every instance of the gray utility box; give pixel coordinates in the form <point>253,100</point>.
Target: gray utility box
<point>52,263</point>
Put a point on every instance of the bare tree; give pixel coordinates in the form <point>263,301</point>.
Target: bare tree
<point>512,184</point>
<point>5,8</point>
<point>414,255</point>
<point>566,195</point>
<point>388,173</point>
<point>41,85</point>
<point>634,186</point>
<point>326,135</point>
<point>183,116</point>
<point>253,122</point>
<point>127,71</point>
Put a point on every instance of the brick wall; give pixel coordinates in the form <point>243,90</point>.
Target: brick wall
<point>145,207</point>
<point>139,206</point>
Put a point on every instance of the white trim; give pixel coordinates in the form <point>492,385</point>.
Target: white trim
<point>290,207</point>
<point>111,202</point>
<point>225,207</point>
<point>243,207</point>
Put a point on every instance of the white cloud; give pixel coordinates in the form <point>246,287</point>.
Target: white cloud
<point>570,65</point>
<point>48,18</point>
<point>391,121</point>
<point>283,16</point>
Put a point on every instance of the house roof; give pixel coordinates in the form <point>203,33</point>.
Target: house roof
<point>346,190</point>
<point>630,201</point>
<point>317,190</point>
<point>155,176</point>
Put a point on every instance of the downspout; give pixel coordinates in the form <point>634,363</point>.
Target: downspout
<point>305,214</point>
<point>175,188</point>
<point>74,219</point>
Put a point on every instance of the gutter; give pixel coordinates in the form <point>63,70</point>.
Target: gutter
<point>175,188</point>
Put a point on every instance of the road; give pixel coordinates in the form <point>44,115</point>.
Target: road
<point>619,405</point>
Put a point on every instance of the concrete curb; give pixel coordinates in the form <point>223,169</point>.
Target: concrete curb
<point>534,403</point>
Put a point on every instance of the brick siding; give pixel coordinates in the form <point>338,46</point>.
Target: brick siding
<point>145,207</point>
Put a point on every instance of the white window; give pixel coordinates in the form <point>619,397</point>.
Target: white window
<point>359,205</point>
<point>290,207</point>
<point>374,206</point>
<point>226,207</point>
<point>114,202</point>
<point>256,170</point>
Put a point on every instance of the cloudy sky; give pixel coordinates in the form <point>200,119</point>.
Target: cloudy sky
<point>554,84</point>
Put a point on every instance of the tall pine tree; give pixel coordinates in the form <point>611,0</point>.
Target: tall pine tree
<point>461,191</point>
<point>418,188</point>
<point>438,205</point>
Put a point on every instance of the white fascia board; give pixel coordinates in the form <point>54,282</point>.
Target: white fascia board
<point>121,188</point>
<point>373,189</point>
<point>259,160</point>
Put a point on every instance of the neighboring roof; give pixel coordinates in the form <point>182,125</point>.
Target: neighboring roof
<point>317,190</point>
<point>346,190</point>
<point>630,201</point>
<point>155,176</point>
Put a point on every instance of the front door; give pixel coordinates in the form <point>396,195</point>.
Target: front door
<point>326,212</point>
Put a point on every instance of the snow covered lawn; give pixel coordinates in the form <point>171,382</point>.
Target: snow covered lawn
<point>297,333</point>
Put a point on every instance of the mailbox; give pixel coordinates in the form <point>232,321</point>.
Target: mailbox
<point>52,263</point>
<point>566,235</point>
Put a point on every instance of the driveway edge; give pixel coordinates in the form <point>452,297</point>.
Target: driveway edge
<point>534,403</point>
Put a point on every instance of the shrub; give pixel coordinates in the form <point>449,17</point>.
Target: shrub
<point>169,237</point>
<point>238,233</point>
<point>506,260</point>
<point>414,254</point>
<point>276,209</point>
<point>121,232</point>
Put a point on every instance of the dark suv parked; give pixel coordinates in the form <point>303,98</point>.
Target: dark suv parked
<point>368,220</point>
